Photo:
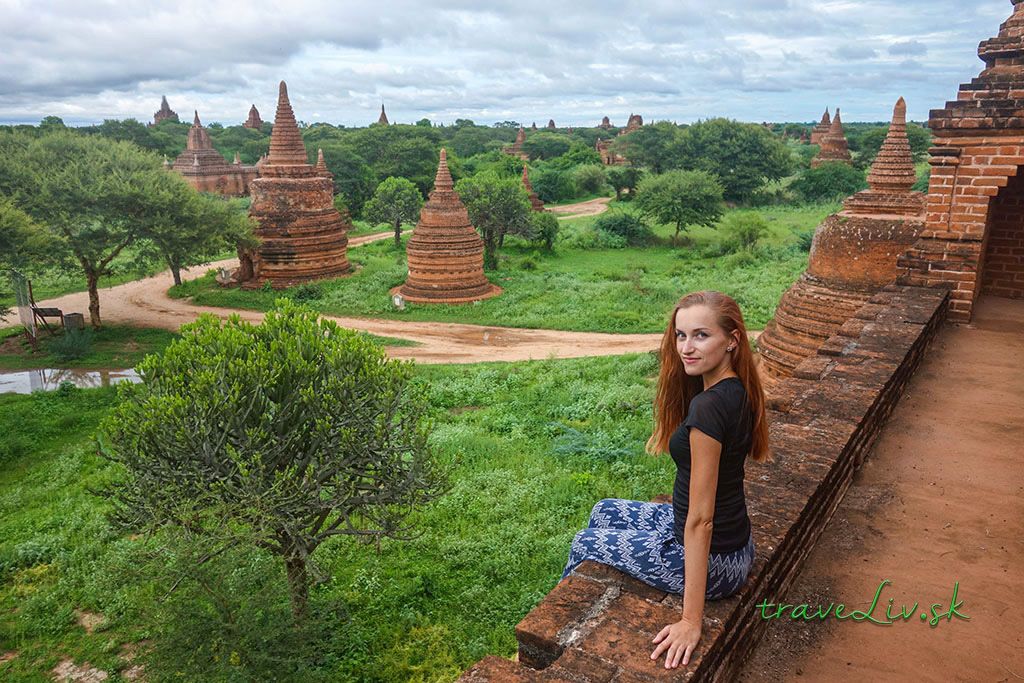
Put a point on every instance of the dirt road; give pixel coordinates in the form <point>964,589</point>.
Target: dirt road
<point>940,499</point>
<point>145,303</point>
<point>591,207</point>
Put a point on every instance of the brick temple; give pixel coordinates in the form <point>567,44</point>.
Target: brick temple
<point>165,113</point>
<point>972,241</point>
<point>254,121</point>
<point>834,147</point>
<point>383,118</point>
<point>206,170</point>
<point>516,148</point>
<point>853,256</point>
<point>535,203</point>
<point>605,123</point>
<point>303,237</point>
<point>445,253</point>
<point>820,130</point>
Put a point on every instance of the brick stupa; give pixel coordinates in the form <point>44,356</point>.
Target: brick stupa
<point>853,256</point>
<point>445,253</point>
<point>834,147</point>
<point>516,148</point>
<point>165,113</point>
<point>206,170</point>
<point>822,129</point>
<point>383,118</point>
<point>535,203</point>
<point>254,121</point>
<point>973,243</point>
<point>303,237</point>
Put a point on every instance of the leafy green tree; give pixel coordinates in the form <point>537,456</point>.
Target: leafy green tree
<point>497,206</point>
<point>280,435</point>
<point>681,198</point>
<point>396,201</point>
<point>544,227</point>
<point>591,179</point>
<point>743,155</point>
<point>625,225</point>
<point>354,180</point>
<point>553,185</point>
<point>546,145</point>
<point>578,155</point>
<point>624,178</point>
<point>829,182</point>
<point>654,146</point>
<point>23,244</point>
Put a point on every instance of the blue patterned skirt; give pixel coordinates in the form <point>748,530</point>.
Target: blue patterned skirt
<point>637,538</point>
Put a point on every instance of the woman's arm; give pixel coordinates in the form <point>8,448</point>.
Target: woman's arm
<point>681,638</point>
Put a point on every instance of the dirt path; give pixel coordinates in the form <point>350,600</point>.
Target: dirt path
<point>145,303</point>
<point>939,499</point>
<point>591,207</point>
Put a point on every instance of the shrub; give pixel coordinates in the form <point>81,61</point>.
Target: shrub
<point>552,185</point>
<point>545,228</point>
<point>590,179</point>
<point>591,238</point>
<point>73,344</point>
<point>829,182</point>
<point>743,231</point>
<point>307,292</point>
<point>625,225</point>
<point>805,239</point>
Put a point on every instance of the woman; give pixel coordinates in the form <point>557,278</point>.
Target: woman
<point>709,415</point>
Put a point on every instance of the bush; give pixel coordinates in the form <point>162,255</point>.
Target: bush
<point>545,228</point>
<point>829,182</point>
<point>742,231</point>
<point>590,179</point>
<point>805,239</point>
<point>922,183</point>
<point>307,292</point>
<point>72,345</point>
<point>554,186</point>
<point>625,225</point>
<point>590,238</point>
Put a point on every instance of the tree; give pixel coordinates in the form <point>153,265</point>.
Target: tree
<point>591,179</point>
<point>497,206</point>
<point>553,185</point>
<point>280,435</point>
<point>544,227</point>
<point>23,244</point>
<point>829,182</point>
<point>743,155</point>
<point>634,231</point>
<point>546,145</point>
<point>624,178</point>
<point>654,146</point>
<point>396,201</point>
<point>681,198</point>
<point>743,230</point>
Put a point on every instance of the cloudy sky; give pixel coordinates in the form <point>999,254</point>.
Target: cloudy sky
<point>531,60</point>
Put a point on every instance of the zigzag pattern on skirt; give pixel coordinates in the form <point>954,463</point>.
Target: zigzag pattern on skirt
<point>637,538</point>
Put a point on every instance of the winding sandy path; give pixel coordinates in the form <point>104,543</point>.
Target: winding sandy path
<point>591,207</point>
<point>145,303</point>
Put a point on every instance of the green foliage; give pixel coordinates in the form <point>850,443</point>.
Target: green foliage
<point>655,146</point>
<point>829,182</point>
<point>307,292</point>
<point>590,179</point>
<point>546,145</point>
<point>544,227</point>
<point>113,346</point>
<point>497,206</point>
<point>553,185</point>
<point>396,201</point>
<point>23,244</point>
<point>623,178</point>
<point>72,344</point>
<point>805,239</point>
<point>625,225</point>
<point>681,198</point>
<point>923,181</point>
<point>868,141</point>
<point>743,156</point>
<point>742,231</point>
<point>280,435</point>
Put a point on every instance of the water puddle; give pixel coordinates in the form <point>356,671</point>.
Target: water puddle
<point>27,381</point>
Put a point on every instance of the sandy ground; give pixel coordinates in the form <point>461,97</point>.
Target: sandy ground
<point>939,500</point>
<point>145,303</point>
<point>592,207</point>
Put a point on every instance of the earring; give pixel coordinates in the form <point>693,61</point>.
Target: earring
<point>730,348</point>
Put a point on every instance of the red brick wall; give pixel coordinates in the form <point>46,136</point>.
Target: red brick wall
<point>1003,267</point>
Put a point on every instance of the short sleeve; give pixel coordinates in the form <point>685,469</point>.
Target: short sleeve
<point>707,415</point>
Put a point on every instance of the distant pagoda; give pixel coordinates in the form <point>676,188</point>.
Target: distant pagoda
<point>834,147</point>
<point>820,130</point>
<point>535,203</point>
<point>551,124</point>
<point>383,118</point>
<point>302,236</point>
<point>206,170</point>
<point>254,121</point>
<point>605,123</point>
<point>165,113</point>
<point>445,253</point>
<point>516,148</point>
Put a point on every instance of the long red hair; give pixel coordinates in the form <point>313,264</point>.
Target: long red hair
<point>676,389</point>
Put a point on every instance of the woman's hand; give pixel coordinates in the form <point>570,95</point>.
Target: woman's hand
<point>680,639</point>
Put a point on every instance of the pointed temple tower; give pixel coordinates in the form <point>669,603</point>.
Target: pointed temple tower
<point>853,256</point>
<point>973,242</point>
<point>822,128</point>
<point>605,123</point>
<point>303,237</point>
<point>533,126</point>
<point>254,121</point>
<point>206,170</point>
<point>165,113</point>
<point>516,148</point>
<point>383,118</point>
<point>833,145</point>
<point>445,253</point>
<point>551,124</point>
<point>535,203</point>
<point>635,122</point>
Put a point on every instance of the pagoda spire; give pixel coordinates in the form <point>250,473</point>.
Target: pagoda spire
<point>286,147</point>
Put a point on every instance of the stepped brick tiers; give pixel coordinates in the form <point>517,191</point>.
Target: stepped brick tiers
<point>383,118</point>
<point>165,113</point>
<point>605,123</point>
<point>597,625</point>
<point>445,253</point>
<point>303,237</point>
<point>853,256</point>
<point>535,203</point>
<point>207,171</point>
<point>834,147</point>
<point>973,241</point>
<point>516,148</point>
<point>822,129</point>
<point>254,121</point>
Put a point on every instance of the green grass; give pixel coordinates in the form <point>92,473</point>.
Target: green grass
<point>113,347</point>
<point>601,290</point>
<point>533,445</point>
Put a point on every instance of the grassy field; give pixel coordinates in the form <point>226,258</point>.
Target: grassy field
<point>113,347</point>
<point>582,289</point>
<point>534,446</point>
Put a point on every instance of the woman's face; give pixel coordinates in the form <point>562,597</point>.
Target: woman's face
<point>700,342</point>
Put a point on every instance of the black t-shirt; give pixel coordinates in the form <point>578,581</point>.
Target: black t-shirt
<point>723,413</point>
